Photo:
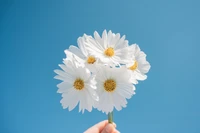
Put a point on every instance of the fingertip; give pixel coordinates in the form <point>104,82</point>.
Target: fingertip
<point>110,128</point>
<point>114,124</point>
<point>117,131</point>
<point>101,125</point>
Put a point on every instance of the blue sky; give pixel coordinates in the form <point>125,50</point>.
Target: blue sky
<point>35,33</point>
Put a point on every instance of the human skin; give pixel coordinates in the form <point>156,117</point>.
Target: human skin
<point>103,127</point>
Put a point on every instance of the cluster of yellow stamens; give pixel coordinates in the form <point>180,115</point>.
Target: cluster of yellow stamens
<point>110,85</point>
<point>91,60</point>
<point>109,52</point>
<point>78,84</point>
<point>134,66</point>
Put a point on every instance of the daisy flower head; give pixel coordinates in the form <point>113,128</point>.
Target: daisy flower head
<point>77,86</point>
<point>111,48</point>
<point>82,55</point>
<point>113,88</point>
<point>139,66</point>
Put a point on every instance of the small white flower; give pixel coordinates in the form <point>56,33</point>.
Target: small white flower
<point>113,88</point>
<point>78,86</point>
<point>139,65</point>
<point>110,48</point>
<point>82,55</point>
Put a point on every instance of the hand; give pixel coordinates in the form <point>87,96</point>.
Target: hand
<point>103,127</point>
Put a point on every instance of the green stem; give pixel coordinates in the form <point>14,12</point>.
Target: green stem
<point>110,117</point>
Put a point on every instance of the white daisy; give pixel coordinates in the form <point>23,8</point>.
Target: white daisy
<point>113,88</point>
<point>78,86</point>
<point>139,66</point>
<point>109,48</point>
<point>82,55</point>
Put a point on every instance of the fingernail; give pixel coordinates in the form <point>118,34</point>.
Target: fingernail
<point>114,124</point>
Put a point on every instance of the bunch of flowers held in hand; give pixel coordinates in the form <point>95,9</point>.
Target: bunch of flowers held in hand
<point>101,73</point>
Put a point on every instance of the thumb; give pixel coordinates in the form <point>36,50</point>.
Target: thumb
<point>109,128</point>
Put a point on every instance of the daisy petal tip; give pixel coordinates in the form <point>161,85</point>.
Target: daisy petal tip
<point>55,77</point>
<point>56,71</point>
<point>105,30</point>
<point>134,87</point>
<point>66,51</point>
<point>64,107</point>
<point>90,110</point>
<point>83,111</point>
<point>96,33</point>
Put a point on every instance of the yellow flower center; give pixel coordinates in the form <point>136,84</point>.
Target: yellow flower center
<point>109,52</point>
<point>134,66</point>
<point>79,84</point>
<point>91,60</point>
<point>109,85</point>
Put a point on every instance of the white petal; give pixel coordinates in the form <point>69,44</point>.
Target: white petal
<point>144,68</point>
<point>64,75</point>
<point>68,99</point>
<point>83,103</point>
<point>137,49</point>
<point>106,103</point>
<point>93,94</point>
<point>104,35</point>
<point>77,51</point>
<point>119,44</point>
<point>64,87</point>
<point>89,100</point>
<point>96,35</point>
<point>140,76</point>
<point>83,73</point>
<point>63,67</point>
<point>81,43</point>
<point>133,79</point>
<point>104,38</point>
<point>73,102</point>
<point>93,47</point>
<point>115,40</point>
<point>110,37</point>
<point>69,55</point>
<point>119,101</point>
<point>61,73</point>
<point>59,77</point>
<point>69,67</point>
<point>125,90</point>
<point>141,56</point>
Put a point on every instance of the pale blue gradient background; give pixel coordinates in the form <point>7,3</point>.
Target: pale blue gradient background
<point>34,35</point>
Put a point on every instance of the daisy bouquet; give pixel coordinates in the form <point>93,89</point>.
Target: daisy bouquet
<point>101,73</point>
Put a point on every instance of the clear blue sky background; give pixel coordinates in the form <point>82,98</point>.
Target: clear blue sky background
<point>34,35</point>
